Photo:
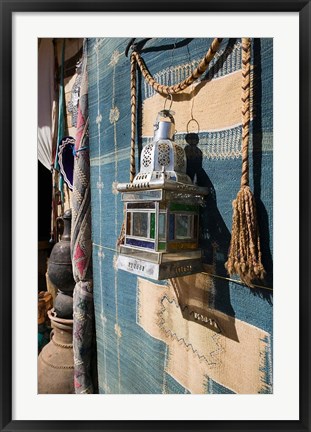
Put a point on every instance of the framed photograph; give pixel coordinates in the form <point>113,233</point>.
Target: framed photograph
<point>185,340</point>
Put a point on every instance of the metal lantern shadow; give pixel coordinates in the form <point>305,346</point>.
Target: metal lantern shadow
<point>162,210</point>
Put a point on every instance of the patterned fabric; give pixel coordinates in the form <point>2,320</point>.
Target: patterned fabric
<point>81,250</point>
<point>83,336</point>
<point>75,95</point>
<point>193,334</point>
<point>61,124</point>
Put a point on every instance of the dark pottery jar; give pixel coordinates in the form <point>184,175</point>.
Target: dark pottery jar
<point>55,361</point>
<point>60,265</point>
<point>63,305</point>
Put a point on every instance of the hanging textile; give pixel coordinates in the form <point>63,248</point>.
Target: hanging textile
<point>46,101</point>
<point>81,249</point>
<point>75,94</point>
<point>61,122</point>
<point>57,181</point>
<point>61,108</point>
<point>66,159</point>
<point>162,338</point>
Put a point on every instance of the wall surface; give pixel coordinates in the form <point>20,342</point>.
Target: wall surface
<point>157,337</point>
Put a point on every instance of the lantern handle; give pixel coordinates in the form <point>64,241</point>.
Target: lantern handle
<point>171,98</point>
<point>166,114</point>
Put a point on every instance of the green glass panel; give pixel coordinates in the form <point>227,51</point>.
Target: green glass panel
<point>162,245</point>
<point>152,225</point>
<point>183,207</point>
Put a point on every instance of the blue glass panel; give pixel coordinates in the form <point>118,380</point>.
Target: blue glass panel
<point>140,243</point>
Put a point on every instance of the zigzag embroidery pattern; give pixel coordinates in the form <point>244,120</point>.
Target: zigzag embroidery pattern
<point>216,337</point>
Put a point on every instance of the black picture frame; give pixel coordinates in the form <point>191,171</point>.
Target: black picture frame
<point>7,9</point>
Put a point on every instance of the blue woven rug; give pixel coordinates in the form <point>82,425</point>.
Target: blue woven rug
<point>159,337</point>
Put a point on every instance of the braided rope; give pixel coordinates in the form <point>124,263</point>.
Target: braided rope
<point>121,237</point>
<point>246,67</point>
<point>244,257</point>
<point>164,89</point>
<point>133,117</point>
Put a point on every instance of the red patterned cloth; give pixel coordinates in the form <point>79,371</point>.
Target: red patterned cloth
<point>81,249</point>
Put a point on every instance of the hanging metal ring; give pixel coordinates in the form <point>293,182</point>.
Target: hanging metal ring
<point>171,97</point>
<point>194,120</point>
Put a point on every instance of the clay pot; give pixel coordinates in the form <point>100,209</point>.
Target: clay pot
<point>60,265</point>
<point>63,305</point>
<point>55,361</point>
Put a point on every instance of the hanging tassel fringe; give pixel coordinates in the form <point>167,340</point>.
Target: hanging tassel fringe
<point>244,257</point>
<point>245,254</point>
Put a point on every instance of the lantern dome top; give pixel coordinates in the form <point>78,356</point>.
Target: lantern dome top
<point>163,157</point>
<point>163,163</point>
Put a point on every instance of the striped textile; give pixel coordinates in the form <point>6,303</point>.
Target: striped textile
<point>200,333</point>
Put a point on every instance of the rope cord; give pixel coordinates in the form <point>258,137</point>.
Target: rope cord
<point>246,63</point>
<point>201,68</point>
<point>133,117</point>
<point>244,257</point>
<point>136,59</point>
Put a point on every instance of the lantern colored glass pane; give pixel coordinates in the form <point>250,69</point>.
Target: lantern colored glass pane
<point>144,205</point>
<point>152,225</point>
<point>140,224</point>
<point>162,226</point>
<point>183,207</point>
<point>180,245</point>
<point>183,227</point>
<point>140,243</point>
<point>162,246</point>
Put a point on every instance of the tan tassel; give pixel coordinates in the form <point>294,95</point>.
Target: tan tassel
<point>245,254</point>
<point>244,257</point>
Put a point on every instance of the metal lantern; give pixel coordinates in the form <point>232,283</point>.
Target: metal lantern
<point>162,210</point>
